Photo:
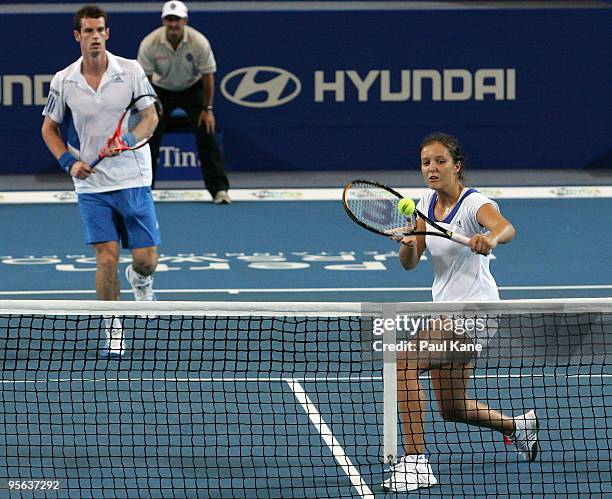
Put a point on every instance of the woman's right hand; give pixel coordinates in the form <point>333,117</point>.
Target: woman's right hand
<point>401,237</point>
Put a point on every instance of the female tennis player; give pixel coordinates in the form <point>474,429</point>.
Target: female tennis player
<point>461,274</point>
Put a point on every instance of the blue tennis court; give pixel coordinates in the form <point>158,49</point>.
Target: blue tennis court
<point>198,410</point>
<point>238,253</point>
<point>255,374</point>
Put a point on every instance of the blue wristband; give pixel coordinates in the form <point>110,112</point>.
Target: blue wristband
<point>129,139</point>
<point>66,161</point>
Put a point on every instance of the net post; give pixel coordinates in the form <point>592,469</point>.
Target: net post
<point>389,311</point>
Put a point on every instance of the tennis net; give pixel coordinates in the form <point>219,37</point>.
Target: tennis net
<point>238,399</point>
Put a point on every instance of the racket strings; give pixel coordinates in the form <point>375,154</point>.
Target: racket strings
<point>375,207</point>
<point>134,117</point>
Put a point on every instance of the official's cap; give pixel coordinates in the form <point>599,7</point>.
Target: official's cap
<point>174,8</point>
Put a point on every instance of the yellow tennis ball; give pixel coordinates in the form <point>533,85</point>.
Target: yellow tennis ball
<point>406,206</point>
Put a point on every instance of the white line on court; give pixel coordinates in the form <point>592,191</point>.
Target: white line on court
<point>236,291</point>
<point>259,379</point>
<point>332,443</point>
<point>318,194</point>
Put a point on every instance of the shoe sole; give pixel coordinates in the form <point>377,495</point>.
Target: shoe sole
<point>419,486</point>
<point>536,446</point>
<point>105,354</point>
<point>532,454</point>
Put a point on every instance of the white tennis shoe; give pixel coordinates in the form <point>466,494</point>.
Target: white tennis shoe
<point>410,473</point>
<point>525,436</point>
<point>113,338</point>
<point>222,197</point>
<point>142,286</point>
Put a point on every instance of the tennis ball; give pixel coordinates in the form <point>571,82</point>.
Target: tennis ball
<point>406,206</point>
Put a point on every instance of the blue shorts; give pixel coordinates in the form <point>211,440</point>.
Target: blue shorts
<point>127,216</point>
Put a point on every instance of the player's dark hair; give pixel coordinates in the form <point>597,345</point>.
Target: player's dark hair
<point>89,12</point>
<point>451,143</point>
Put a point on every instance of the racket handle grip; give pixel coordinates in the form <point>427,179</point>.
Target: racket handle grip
<point>95,162</point>
<point>461,239</point>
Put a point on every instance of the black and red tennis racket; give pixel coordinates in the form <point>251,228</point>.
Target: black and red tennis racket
<point>375,207</point>
<point>134,120</point>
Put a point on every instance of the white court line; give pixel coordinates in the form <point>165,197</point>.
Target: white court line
<point>257,379</point>
<point>228,379</point>
<point>318,194</point>
<point>235,291</point>
<point>332,443</point>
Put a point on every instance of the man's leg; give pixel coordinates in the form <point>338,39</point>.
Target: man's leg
<point>144,260</point>
<point>107,288</point>
<point>212,162</point>
<point>211,156</point>
<point>107,263</point>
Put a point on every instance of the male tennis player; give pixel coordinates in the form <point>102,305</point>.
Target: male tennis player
<point>115,198</point>
<point>461,274</point>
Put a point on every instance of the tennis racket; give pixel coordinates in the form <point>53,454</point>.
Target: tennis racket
<point>133,120</point>
<point>375,207</point>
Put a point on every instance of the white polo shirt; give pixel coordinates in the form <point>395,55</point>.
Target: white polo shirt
<point>460,275</point>
<point>178,69</point>
<point>91,117</point>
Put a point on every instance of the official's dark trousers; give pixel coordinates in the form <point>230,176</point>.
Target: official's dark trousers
<point>211,157</point>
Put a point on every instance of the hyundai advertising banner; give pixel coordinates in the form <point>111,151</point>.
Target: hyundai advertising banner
<point>311,90</point>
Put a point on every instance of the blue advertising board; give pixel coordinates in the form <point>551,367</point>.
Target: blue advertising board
<point>354,89</point>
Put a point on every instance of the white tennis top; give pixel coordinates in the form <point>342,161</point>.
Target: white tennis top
<point>91,118</point>
<point>460,275</point>
<point>178,69</point>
